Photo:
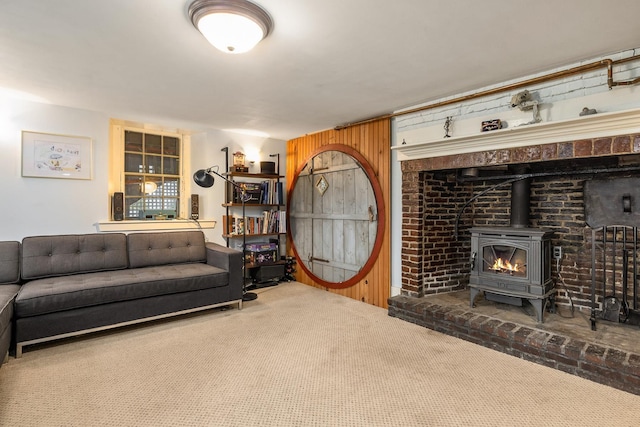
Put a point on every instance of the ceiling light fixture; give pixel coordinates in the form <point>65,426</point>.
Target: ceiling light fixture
<point>232,26</point>
<point>150,187</point>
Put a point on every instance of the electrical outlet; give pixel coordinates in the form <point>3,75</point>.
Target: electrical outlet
<point>557,252</point>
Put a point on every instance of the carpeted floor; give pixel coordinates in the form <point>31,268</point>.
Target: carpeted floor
<point>297,356</point>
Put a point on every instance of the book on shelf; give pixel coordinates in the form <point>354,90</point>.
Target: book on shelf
<point>282,221</point>
<point>270,222</point>
<point>252,191</point>
<point>267,192</point>
<point>271,192</point>
<point>227,224</point>
<point>279,193</point>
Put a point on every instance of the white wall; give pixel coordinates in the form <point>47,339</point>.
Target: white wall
<point>33,206</point>
<point>559,100</point>
<point>206,151</point>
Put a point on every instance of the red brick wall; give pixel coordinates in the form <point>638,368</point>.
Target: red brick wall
<point>412,233</point>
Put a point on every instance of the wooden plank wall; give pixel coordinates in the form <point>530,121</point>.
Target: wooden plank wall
<point>373,141</point>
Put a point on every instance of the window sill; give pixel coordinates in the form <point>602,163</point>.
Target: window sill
<point>151,225</point>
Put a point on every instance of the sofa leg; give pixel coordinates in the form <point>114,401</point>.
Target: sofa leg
<point>6,357</point>
<point>18,351</point>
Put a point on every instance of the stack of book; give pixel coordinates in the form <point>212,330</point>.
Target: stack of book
<point>270,222</point>
<point>267,192</point>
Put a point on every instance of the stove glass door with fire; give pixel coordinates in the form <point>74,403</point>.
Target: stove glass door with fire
<point>505,260</point>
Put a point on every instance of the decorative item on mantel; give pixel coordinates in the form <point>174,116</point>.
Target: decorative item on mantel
<point>489,125</point>
<point>238,162</point>
<point>586,111</point>
<point>524,101</point>
<point>447,126</point>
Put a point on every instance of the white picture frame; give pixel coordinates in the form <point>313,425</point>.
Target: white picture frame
<point>46,155</point>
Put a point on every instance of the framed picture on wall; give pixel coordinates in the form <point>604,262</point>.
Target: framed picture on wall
<point>46,155</point>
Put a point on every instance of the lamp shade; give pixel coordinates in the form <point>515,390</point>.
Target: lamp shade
<point>232,26</point>
<point>203,178</point>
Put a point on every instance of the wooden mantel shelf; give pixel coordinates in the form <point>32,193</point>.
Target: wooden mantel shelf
<point>585,127</point>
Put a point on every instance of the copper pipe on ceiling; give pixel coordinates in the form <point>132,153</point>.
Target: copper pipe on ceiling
<point>535,80</point>
<point>610,81</point>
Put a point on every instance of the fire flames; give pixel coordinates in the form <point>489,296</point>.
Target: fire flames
<point>504,266</point>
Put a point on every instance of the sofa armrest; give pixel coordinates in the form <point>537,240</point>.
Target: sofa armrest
<point>228,259</point>
<point>9,262</point>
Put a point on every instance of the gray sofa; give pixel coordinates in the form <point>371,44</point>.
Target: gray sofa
<point>75,284</point>
<point>9,277</point>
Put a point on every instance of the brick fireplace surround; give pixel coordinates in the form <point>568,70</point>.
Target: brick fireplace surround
<point>435,262</point>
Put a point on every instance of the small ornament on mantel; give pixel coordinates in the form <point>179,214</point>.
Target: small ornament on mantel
<point>447,126</point>
<point>586,111</point>
<point>489,125</point>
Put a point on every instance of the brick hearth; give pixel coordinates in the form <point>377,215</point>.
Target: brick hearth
<point>570,351</point>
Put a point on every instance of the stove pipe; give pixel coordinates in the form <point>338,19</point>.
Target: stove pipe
<point>520,195</point>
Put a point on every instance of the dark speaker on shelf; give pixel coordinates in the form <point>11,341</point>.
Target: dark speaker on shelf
<point>118,206</point>
<point>195,206</point>
<point>268,167</point>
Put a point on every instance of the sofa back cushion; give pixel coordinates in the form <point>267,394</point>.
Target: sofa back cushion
<point>58,255</point>
<point>9,262</point>
<point>160,248</point>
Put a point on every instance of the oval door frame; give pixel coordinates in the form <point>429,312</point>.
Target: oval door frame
<point>377,191</point>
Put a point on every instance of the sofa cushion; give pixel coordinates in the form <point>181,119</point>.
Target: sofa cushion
<point>54,294</point>
<point>148,249</point>
<point>9,262</point>
<point>47,256</point>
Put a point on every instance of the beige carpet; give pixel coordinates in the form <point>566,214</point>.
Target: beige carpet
<point>297,356</point>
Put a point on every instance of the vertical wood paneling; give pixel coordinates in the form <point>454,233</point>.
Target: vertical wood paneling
<point>373,141</point>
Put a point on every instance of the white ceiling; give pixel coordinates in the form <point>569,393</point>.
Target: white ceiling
<point>327,62</point>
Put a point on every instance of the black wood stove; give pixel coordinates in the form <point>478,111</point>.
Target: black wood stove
<point>512,263</point>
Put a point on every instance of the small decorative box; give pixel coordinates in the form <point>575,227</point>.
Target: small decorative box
<point>494,124</point>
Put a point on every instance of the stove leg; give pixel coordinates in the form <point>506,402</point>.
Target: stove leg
<point>474,293</point>
<point>538,305</point>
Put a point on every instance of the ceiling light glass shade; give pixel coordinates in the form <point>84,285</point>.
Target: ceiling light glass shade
<point>150,187</point>
<point>232,26</point>
<point>230,33</point>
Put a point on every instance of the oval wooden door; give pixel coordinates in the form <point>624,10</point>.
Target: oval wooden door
<point>334,217</point>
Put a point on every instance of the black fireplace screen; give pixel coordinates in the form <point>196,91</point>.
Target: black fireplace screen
<point>612,210</point>
<point>615,269</point>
